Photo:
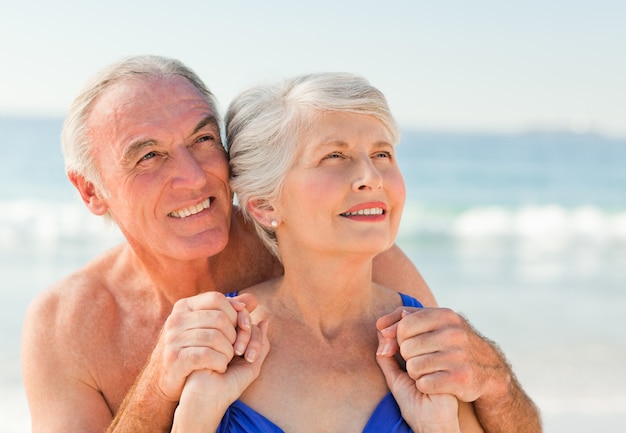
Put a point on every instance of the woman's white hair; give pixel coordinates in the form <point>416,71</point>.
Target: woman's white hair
<point>263,125</point>
<point>75,136</point>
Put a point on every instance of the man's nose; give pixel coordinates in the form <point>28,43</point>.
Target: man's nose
<point>187,172</point>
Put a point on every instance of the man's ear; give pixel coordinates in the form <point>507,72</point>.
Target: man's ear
<point>262,212</point>
<point>89,193</point>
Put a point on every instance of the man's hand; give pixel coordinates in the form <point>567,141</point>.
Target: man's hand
<point>444,354</point>
<point>200,334</point>
<point>203,332</point>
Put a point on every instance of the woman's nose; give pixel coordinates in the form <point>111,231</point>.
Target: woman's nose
<point>367,176</point>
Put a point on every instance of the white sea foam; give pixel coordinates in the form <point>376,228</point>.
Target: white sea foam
<point>543,224</point>
<point>44,224</point>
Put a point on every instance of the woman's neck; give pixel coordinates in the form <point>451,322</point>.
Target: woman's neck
<point>328,293</point>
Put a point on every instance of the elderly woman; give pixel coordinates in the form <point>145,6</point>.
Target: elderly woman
<point>314,167</point>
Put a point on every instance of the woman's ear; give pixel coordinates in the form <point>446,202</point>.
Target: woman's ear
<point>263,213</point>
<point>89,193</point>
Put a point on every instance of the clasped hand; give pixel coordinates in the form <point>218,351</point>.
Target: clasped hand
<point>209,338</point>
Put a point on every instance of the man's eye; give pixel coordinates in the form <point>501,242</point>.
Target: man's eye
<point>147,156</point>
<point>334,155</point>
<point>206,138</point>
<point>383,155</point>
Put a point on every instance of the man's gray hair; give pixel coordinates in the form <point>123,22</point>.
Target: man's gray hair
<point>75,136</point>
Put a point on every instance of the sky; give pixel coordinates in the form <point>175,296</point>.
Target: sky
<point>459,66</point>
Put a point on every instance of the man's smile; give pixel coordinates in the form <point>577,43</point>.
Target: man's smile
<point>191,210</point>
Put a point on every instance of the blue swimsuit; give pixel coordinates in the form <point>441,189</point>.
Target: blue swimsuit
<point>241,418</point>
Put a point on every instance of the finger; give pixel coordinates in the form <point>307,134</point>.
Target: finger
<point>448,341</point>
<point>385,359</point>
<point>391,370</point>
<point>388,324</point>
<point>398,382</point>
<point>204,358</point>
<point>440,382</point>
<point>386,346</point>
<point>243,332</point>
<point>248,299</point>
<point>390,331</point>
<point>198,349</point>
<point>424,320</point>
<point>195,322</point>
<point>389,319</point>
<point>443,374</point>
<point>243,372</point>
<point>208,301</point>
<point>212,338</point>
<point>258,346</point>
<point>420,366</point>
<point>243,319</point>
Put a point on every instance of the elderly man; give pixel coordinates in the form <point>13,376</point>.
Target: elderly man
<point>111,345</point>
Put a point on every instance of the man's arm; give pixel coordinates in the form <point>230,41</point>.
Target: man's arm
<point>394,270</point>
<point>503,406</point>
<point>61,395</point>
<point>145,408</point>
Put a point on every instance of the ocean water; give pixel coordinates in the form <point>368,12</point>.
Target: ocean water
<point>523,234</point>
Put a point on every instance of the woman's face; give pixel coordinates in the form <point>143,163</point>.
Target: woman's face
<point>344,192</point>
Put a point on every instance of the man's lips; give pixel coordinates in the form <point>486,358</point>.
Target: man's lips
<point>191,210</point>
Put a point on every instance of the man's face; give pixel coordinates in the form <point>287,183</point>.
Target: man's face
<point>158,148</point>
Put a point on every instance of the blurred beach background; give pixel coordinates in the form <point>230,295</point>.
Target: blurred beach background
<point>514,153</point>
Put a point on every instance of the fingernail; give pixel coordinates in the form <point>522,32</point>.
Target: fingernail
<point>240,348</point>
<point>387,332</point>
<point>246,322</point>
<point>383,348</point>
<point>251,355</point>
<point>405,313</point>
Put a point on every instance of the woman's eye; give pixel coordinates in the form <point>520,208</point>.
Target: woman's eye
<point>383,155</point>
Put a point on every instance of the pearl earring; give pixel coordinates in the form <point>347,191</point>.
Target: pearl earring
<point>273,224</point>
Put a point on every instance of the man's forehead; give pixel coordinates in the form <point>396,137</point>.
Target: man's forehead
<point>150,91</point>
<point>151,99</point>
<point>141,109</point>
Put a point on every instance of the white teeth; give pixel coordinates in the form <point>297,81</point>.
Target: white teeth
<point>372,211</point>
<point>192,210</point>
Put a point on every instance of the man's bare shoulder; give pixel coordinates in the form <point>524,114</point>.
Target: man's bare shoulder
<point>73,301</point>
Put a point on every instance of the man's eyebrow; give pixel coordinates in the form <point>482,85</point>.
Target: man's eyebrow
<point>130,153</point>
<point>207,121</point>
